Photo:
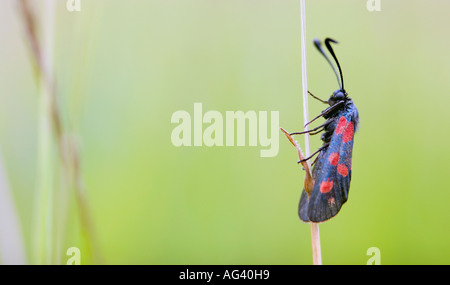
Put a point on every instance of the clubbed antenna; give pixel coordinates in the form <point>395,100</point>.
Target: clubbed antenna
<point>330,49</point>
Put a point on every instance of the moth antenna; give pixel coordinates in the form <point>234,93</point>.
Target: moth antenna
<point>319,48</point>
<point>330,49</point>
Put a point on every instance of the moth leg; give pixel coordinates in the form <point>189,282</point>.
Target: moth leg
<point>317,98</point>
<point>316,152</point>
<point>315,160</point>
<point>326,111</point>
<point>312,130</point>
<point>315,133</point>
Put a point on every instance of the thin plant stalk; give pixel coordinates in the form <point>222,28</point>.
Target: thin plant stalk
<point>315,237</point>
<point>52,132</point>
<point>45,189</point>
<point>308,182</point>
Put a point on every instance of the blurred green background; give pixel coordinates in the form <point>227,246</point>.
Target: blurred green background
<point>123,67</point>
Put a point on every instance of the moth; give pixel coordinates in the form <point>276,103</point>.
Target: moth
<point>332,170</point>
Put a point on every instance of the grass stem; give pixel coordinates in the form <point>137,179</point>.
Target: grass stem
<point>44,216</point>
<point>62,165</point>
<point>315,237</point>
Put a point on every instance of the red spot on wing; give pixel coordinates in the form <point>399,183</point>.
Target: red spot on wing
<point>348,132</point>
<point>326,186</point>
<point>340,126</point>
<point>333,158</point>
<point>342,170</point>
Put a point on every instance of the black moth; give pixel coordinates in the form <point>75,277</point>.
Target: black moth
<point>333,167</point>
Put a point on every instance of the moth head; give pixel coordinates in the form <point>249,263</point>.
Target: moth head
<point>337,96</point>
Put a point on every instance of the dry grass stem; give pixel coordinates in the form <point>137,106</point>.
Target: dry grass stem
<point>315,237</point>
<point>68,152</point>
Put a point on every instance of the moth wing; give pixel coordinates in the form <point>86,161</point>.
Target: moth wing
<point>303,206</point>
<point>332,175</point>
